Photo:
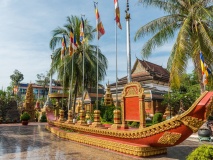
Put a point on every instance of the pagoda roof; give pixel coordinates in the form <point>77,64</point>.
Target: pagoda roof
<point>152,72</point>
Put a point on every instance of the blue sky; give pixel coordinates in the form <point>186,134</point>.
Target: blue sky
<point>26,29</point>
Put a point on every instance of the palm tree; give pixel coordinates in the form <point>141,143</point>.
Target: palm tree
<point>190,22</point>
<point>90,52</point>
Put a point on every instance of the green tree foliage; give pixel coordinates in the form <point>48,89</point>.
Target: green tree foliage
<point>107,113</point>
<point>190,22</point>
<point>135,124</point>
<point>5,98</point>
<point>184,96</point>
<point>157,118</point>
<point>43,80</point>
<point>16,77</point>
<point>64,67</point>
<point>203,152</point>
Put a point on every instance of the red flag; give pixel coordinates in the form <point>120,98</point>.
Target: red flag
<point>100,27</point>
<point>117,14</point>
<point>71,42</point>
<point>63,48</point>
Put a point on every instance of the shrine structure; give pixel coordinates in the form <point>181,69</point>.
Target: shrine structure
<point>108,100</point>
<point>143,141</point>
<point>29,104</point>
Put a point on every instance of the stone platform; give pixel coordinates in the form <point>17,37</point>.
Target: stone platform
<point>34,142</point>
<point>108,143</point>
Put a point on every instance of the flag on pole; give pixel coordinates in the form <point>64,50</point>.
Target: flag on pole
<point>63,48</point>
<point>71,42</point>
<point>82,31</point>
<point>117,14</point>
<point>75,45</point>
<point>100,27</point>
<point>205,70</point>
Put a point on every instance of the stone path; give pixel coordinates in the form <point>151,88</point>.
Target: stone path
<point>33,142</point>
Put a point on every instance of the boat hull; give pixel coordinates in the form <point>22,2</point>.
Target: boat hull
<point>143,141</point>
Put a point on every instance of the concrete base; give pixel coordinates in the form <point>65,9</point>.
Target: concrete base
<point>69,122</point>
<point>82,123</point>
<point>96,125</point>
<point>115,126</point>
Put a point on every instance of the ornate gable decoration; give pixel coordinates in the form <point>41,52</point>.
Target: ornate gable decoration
<point>138,68</point>
<point>86,96</point>
<point>133,89</point>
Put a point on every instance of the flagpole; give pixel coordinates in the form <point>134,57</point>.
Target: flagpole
<point>204,85</point>
<point>116,105</point>
<point>128,43</point>
<point>97,62</point>
<point>83,70</point>
<point>97,78</point>
<point>64,70</point>
<point>63,83</point>
<point>71,79</point>
<point>83,81</point>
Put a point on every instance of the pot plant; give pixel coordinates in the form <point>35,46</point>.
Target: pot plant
<point>25,117</point>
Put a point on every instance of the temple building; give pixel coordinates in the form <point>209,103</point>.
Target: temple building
<point>153,78</point>
<point>38,90</point>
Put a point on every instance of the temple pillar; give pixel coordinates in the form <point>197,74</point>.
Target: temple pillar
<point>70,117</point>
<point>143,113</point>
<point>117,119</point>
<point>124,123</point>
<point>61,117</point>
<point>97,121</point>
<point>82,115</point>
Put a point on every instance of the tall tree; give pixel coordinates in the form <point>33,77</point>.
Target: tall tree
<point>64,67</point>
<point>16,78</point>
<point>192,21</point>
<point>43,80</point>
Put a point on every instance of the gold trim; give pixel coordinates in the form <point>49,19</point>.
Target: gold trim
<point>193,123</point>
<point>169,138</point>
<point>142,151</point>
<point>132,89</point>
<point>141,132</point>
<point>209,108</point>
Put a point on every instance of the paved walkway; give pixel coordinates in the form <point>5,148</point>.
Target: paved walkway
<point>33,142</point>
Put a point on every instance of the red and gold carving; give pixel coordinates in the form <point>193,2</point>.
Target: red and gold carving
<point>169,138</point>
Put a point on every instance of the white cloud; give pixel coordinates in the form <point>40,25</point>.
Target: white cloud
<point>26,32</point>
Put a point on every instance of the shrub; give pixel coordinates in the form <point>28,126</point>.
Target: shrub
<point>158,117</point>
<point>135,124</point>
<point>148,122</point>
<point>202,152</point>
<point>107,113</point>
<point>210,118</point>
<point>43,118</point>
<point>25,116</point>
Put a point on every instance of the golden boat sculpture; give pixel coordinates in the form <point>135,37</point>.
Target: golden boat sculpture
<point>142,141</point>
